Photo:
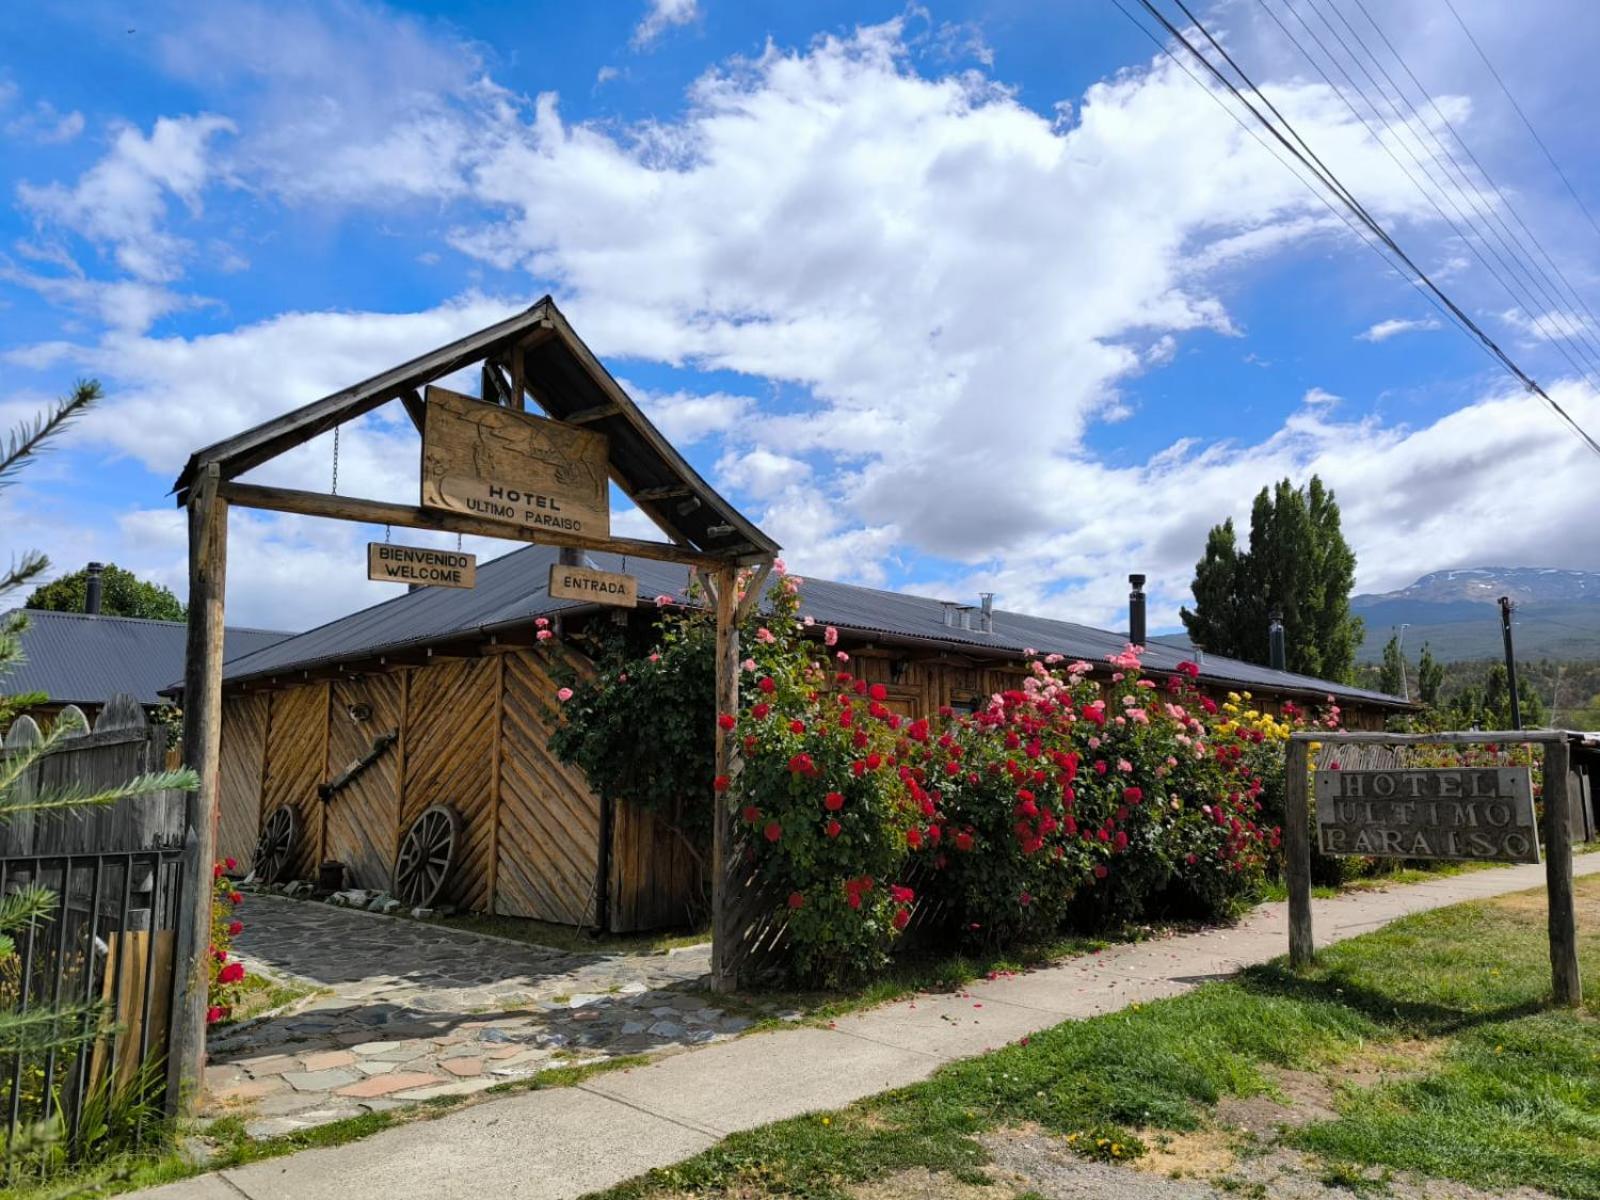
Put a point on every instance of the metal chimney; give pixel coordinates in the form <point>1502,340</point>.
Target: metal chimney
<point>965,611</point>
<point>1277,652</point>
<point>949,607</point>
<point>986,610</point>
<point>93,588</point>
<point>1136,623</point>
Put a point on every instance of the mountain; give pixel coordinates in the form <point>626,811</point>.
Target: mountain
<point>1457,613</point>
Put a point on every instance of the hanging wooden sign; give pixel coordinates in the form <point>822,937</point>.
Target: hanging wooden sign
<point>514,466</point>
<point>597,587</point>
<point>419,564</point>
<point>1443,812</point>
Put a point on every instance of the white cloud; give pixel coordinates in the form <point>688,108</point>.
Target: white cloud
<point>121,202</point>
<point>46,125</point>
<point>688,417</point>
<point>1394,326</point>
<point>1319,398</point>
<point>660,16</point>
<point>1553,325</point>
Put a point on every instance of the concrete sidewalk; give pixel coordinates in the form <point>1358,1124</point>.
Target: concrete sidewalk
<point>561,1143</point>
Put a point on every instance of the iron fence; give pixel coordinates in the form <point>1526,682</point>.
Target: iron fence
<point>106,959</point>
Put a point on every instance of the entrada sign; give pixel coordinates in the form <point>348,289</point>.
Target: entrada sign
<point>597,587</point>
<point>418,564</point>
<point>1443,812</point>
<point>513,466</point>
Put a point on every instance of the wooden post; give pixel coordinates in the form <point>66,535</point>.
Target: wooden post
<point>1297,853</point>
<point>1566,984</point>
<point>202,743</point>
<point>724,976</point>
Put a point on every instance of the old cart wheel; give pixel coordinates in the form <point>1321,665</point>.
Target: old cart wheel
<point>427,856</point>
<point>276,848</point>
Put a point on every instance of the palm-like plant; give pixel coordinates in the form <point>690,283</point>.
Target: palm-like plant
<point>29,1028</point>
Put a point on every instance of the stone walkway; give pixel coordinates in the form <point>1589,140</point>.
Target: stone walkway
<point>560,1143</point>
<point>420,1010</point>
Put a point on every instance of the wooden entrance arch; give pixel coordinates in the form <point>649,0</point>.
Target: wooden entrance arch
<point>533,354</point>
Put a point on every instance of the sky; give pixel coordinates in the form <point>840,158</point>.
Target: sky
<point>949,297</point>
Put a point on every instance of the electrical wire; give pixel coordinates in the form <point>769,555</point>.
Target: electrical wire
<point>1366,218</point>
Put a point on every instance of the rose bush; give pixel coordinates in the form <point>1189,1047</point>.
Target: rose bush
<point>224,972</point>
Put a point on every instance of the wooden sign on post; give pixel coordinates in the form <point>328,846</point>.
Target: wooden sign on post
<point>597,587</point>
<point>513,466</point>
<point>419,564</point>
<point>1475,813</point>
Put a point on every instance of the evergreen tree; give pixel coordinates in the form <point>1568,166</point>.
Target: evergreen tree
<point>1430,676</point>
<point>1297,561</point>
<point>1392,676</point>
<point>123,594</point>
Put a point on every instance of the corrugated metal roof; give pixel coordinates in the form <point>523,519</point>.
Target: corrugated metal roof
<point>75,658</point>
<point>512,591</point>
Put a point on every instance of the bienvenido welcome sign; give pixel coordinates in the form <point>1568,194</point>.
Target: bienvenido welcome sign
<point>514,466</point>
<point>1445,812</point>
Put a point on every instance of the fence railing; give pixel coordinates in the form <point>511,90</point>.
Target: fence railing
<point>105,959</point>
<point>102,964</point>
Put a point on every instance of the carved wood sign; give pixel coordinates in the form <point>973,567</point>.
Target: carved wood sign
<point>1444,812</point>
<point>419,564</point>
<point>513,466</point>
<point>597,587</point>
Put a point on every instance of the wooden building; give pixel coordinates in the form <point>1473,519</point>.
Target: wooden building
<point>450,700</point>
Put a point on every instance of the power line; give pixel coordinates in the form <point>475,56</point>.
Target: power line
<point>1355,206</point>
<point>1358,230</point>
<point>1551,158</point>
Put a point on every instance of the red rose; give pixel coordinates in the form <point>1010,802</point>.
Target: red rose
<point>215,1013</point>
<point>760,710</point>
<point>796,900</point>
<point>766,684</point>
<point>1100,871</point>
<point>878,692</point>
<point>235,897</point>
<point>914,838</point>
<point>797,726</point>
<point>231,973</point>
<point>902,918</point>
<point>751,814</point>
<point>216,871</point>
<point>1132,794</point>
<point>235,928</point>
<point>833,801</point>
<point>832,829</point>
<point>720,784</point>
<point>230,863</point>
<point>801,764</point>
<point>725,721</point>
<point>963,840</point>
<point>773,831</point>
<point>901,895</point>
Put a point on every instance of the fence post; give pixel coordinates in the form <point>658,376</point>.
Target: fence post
<point>191,873</point>
<point>1566,984</point>
<point>724,970</point>
<point>1297,853</point>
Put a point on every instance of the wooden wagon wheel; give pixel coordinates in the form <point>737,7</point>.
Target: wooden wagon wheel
<point>276,848</point>
<point>427,856</point>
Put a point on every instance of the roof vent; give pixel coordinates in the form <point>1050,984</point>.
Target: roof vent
<point>965,612</point>
<point>93,588</point>
<point>986,611</point>
<point>949,607</point>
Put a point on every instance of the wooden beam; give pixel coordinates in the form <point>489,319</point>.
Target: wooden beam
<point>670,492</point>
<point>584,415</point>
<point>724,977</point>
<point>1357,737</point>
<point>494,387</point>
<point>1566,983</point>
<point>752,592</point>
<point>1297,852</point>
<point>378,512</point>
<point>202,749</point>
<point>415,408</point>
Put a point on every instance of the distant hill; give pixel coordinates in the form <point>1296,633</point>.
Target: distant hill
<point>1457,614</point>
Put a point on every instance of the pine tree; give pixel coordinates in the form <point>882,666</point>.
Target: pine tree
<point>1430,676</point>
<point>1297,562</point>
<point>29,1029</point>
<point>1391,678</point>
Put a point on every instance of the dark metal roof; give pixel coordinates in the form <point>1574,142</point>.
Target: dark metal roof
<point>78,659</point>
<point>511,591</point>
<point>569,383</point>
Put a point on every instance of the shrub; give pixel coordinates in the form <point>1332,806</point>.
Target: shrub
<point>225,973</point>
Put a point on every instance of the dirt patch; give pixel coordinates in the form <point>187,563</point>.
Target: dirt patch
<point>1586,899</point>
<point>1201,1155</point>
<point>934,1186</point>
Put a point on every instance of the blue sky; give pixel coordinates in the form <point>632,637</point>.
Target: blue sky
<point>949,296</point>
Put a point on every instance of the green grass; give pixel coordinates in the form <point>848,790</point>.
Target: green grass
<point>1512,1097</point>
<point>260,993</point>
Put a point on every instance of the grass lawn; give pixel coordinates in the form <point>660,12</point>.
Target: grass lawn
<point>1493,1090</point>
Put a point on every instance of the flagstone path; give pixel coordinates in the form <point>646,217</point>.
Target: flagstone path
<point>411,1010</point>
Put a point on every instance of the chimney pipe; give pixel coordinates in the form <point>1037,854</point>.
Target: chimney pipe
<point>949,612</point>
<point>1136,632</point>
<point>1277,652</point>
<point>92,589</point>
<point>966,615</point>
<point>986,608</point>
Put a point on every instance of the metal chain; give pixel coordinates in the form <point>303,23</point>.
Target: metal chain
<point>385,535</point>
<point>458,543</point>
<point>335,460</point>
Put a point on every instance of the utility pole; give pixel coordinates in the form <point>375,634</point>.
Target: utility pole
<point>1400,643</point>
<point>1511,661</point>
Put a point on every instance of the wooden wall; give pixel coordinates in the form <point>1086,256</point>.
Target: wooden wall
<point>363,818</point>
<point>297,752</point>
<point>655,879</point>
<point>549,835</point>
<point>244,749</point>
